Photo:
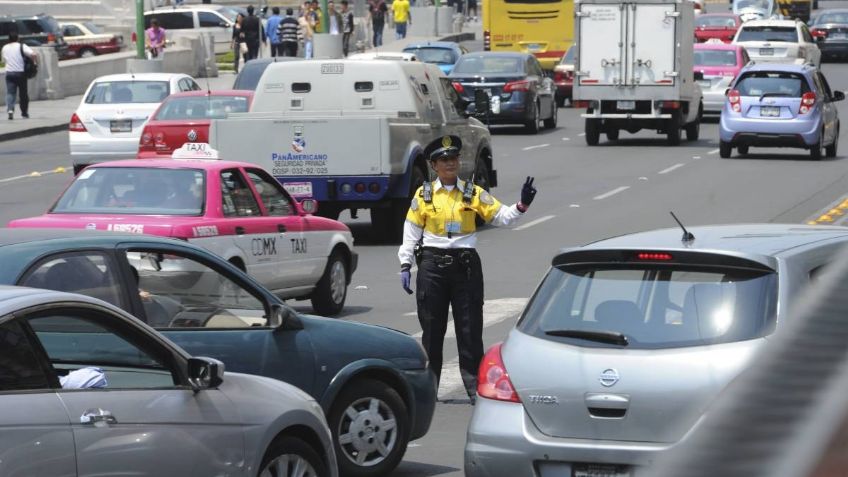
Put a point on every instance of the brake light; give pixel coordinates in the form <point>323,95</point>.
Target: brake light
<point>670,105</point>
<point>458,87</point>
<point>493,380</point>
<point>735,101</point>
<point>159,138</point>
<point>51,38</point>
<point>653,256</point>
<point>817,33</point>
<point>76,124</point>
<point>146,139</point>
<point>581,104</point>
<point>808,100</point>
<point>487,41</point>
<point>516,86</point>
<point>559,76</point>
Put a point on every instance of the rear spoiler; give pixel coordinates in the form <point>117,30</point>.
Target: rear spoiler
<point>704,258</point>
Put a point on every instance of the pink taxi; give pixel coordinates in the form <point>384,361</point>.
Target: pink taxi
<point>234,209</point>
<point>719,63</point>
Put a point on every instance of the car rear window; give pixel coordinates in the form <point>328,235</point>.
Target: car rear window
<point>832,18</point>
<point>123,92</point>
<point>201,107</point>
<point>440,56</point>
<point>781,84</point>
<point>489,65</point>
<point>715,58</point>
<point>768,33</point>
<point>248,77</point>
<point>652,306</point>
<point>134,190</point>
<point>715,21</point>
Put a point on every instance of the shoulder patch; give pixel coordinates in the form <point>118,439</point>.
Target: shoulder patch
<point>414,204</point>
<point>486,198</point>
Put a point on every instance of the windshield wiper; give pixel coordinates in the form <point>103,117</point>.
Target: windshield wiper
<point>609,337</point>
<point>772,95</point>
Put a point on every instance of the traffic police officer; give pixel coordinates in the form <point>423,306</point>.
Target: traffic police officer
<point>442,219</point>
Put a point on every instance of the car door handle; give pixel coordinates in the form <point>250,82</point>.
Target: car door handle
<point>281,228</point>
<point>95,416</point>
<point>240,230</point>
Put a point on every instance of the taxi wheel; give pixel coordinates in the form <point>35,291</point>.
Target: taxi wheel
<point>329,296</point>
<point>289,457</point>
<point>370,427</point>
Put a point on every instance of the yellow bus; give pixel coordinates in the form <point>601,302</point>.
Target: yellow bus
<point>544,28</point>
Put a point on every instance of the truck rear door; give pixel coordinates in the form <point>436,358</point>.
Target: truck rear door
<point>601,41</point>
<point>651,37</point>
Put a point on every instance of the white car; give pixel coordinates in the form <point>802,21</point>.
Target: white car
<point>782,41</point>
<point>215,20</point>
<point>109,119</point>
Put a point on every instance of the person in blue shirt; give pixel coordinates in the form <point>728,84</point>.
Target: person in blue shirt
<point>271,32</point>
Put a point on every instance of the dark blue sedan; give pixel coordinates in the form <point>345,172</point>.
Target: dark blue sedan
<point>373,383</point>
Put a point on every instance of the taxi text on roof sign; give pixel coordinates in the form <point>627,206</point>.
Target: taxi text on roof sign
<point>195,150</point>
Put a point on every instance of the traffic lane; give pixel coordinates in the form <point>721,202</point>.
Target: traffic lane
<point>35,154</point>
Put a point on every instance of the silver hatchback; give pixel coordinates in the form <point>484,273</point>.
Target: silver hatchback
<point>627,341</point>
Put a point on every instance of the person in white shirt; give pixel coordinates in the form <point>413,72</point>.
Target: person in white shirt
<point>16,80</point>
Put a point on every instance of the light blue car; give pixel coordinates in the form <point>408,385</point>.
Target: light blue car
<point>780,105</point>
<point>442,53</point>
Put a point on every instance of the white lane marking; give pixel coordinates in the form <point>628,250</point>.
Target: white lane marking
<point>696,157</point>
<point>611,193</point>
<point>539,146</point>
<point>669,169</point>
<point>714,151</point>
<point>566,139</point>
<point>494,312</point>
<point>574,206</point>
<point>411,313</point>
<point>534,222</point>
<point>582,134</point>
<point>643,178</point>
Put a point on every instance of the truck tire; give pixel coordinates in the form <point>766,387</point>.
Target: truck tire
<point>693,129</point>
<point>551,123</point>
<point>724,149</point>
<point>673,130</point>
<point>593,131</point>
<point>532,126</point>
<point>330,293</point>
<point>387,222</point>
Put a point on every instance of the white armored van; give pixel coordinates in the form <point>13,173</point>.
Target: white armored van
<point>352,133</point>
<point>633,68</point>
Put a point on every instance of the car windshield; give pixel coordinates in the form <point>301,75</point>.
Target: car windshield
<point>122,92</point>
<point>568,57</point>
<point>768,33</point>
<point>229,13</point>
<point>758,83</point>
<point>248,77</point>
<point>652,306</point>
<point>201,107</point>
<point>715,58</point>
<point>93,28</point>
<point>489,65</point>
<point>832,18</point>
<point>716,21</point>
<point>134,190</point>
<point>440,56</point>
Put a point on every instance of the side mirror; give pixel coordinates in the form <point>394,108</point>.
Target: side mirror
<point>699,75</point>
<point>307,206</point>
<point>838,96</point>
<point>482,102</point>
<point>205,373</point>
<point>283,318</point>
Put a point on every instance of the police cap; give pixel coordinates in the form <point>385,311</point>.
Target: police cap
<point>445,146</point>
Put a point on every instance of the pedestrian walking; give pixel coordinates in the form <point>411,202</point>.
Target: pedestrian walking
<point>400,12</point>
<point>238,45</point>
<point>377,11</point>
<point>347,27</point>
<point>287,33</point>
<point>272,32</point>
<point>14,53</point>
<point>334,19</point>
<point>306,30</point>
<point>154,39</point>
<point>441,219</point>
<point>252,29</point>
<point>314,17</point>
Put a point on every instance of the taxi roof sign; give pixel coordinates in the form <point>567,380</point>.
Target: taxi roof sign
<point>195,150</point>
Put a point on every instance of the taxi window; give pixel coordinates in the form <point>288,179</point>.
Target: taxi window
<point>124,92</point>
<point>237,198</point>
<point>134,191</point>
<point>273,198</point>
<point>201,107</point>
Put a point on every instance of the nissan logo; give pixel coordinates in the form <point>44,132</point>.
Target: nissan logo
<point>192,135</point>
<point>609,377</point>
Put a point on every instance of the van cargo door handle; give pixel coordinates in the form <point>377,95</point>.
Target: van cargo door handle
<point>240,230</point>
<point>281,228</point>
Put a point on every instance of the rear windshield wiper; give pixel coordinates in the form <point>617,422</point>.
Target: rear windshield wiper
<point>610,337</point>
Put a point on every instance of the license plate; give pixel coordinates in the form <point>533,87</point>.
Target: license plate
<point>600,470</point>
<point>625,105</point>
<point>298,189</point>
<point>120,125</point>
<point>838,36</point>
<point>769,111</point>
<point>766,51</point>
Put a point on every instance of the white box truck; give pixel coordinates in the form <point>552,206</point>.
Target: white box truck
<point>633,68</point>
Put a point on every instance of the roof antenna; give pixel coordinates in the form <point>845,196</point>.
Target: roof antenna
<point>687,236</point>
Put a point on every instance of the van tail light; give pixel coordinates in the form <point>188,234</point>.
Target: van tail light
<point>670,105</point>
<point>458,87</point>
<point>516,86</point>
<point>581,104</point>
<point>76,124</point>
<point>51,38</point>
<point>808,100</point>
<point>487,41</point>
<point>493,380</point>
<point>735,101</point>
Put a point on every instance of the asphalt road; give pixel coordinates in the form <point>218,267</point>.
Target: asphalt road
<point>585,194</point>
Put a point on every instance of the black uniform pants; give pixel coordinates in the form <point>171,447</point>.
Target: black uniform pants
<point>452,277</point>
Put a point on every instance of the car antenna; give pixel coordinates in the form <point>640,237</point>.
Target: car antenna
<point>687,236</point>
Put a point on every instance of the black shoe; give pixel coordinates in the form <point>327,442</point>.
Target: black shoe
<point>25,115</point>
<point>11,115</point>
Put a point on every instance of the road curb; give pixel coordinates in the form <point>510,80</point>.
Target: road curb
<point>32,132</point>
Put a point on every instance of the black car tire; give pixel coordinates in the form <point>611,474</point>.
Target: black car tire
<point>361,433</point>
<point>296,451</point>
<point>816,149</point>
<point>831,150</point>
<point>742,150</point>
<point>330,293</point>
<point>532,126</point>
<point>593,131</point>
<point>387,222</point>
<point>725,149</point>
<point>551,123</point>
